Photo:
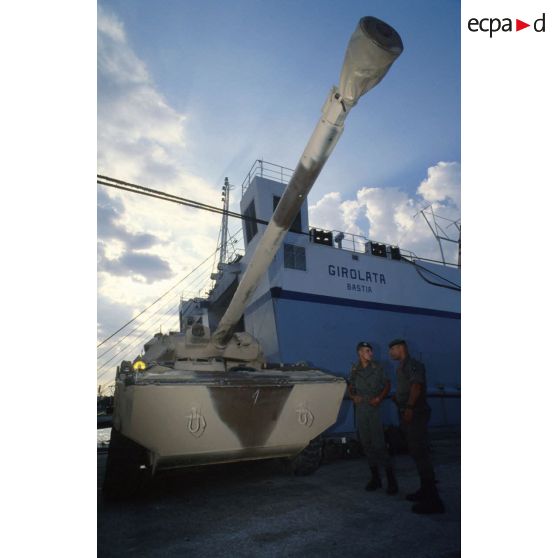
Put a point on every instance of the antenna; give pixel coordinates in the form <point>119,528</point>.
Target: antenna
<point>440,233</point>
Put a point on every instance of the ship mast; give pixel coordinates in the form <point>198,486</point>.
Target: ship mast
<point>224,223</point>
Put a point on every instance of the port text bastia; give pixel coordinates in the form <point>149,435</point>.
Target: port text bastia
<point>365,277</point>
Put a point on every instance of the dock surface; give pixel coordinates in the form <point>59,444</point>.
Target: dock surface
<point>259,509</point>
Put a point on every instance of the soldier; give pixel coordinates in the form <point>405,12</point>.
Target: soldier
<point>414,414</point>
<point>368,387</point>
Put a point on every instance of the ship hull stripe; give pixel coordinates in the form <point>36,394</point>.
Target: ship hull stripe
<point>278,292</point>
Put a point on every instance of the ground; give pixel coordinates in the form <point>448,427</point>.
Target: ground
<point>259,509</point>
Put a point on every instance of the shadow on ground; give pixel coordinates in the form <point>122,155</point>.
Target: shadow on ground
<point>259,509</point>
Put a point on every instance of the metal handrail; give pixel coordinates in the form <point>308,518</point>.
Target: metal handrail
<point>357,243</point>
<point>265,169</point>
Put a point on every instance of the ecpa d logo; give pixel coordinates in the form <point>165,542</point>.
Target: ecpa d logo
<point>494,24</point>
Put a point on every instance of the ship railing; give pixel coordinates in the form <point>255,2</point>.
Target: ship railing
<point>265,169</point>
<point>359,244</point>
<point>353,242</point>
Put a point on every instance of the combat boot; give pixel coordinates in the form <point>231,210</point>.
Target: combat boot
<point>419,494</point>
<point>392,487</point>
<point>375,481</point>
<point>430,502</point>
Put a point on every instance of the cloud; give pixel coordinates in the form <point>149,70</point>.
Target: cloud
<point>443,184</point>
<point>143,243</point>
<point>111,315</point>
<point>138,265</point>
<point>331,213</point>
<point>137,129</point>
<point>145,246</point>
<point>109,211</point>
<point>391,215</point>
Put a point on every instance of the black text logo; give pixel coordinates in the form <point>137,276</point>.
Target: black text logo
<point>494,25</point>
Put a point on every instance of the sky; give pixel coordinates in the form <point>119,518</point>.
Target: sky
<point>50,118</point>
<point>189,93</point>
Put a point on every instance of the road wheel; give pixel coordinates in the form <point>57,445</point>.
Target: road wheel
<point>309,459</point>
<point>126,469</point>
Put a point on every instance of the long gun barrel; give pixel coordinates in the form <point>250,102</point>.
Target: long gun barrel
<point>372,49</point>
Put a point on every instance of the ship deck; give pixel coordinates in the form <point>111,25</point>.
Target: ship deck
<point>258,509</point>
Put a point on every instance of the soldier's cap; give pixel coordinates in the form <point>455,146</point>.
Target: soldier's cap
<point>397,342</point>
<point>363,344</point>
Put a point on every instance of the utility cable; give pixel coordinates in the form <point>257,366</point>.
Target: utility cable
<point>155,302</point>
<point>142,323</point>
<point>158,194</point>
<point>138,345</point>
<point>153,317</point>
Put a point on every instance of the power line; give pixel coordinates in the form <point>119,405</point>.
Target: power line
<point>144,322</point>
<point>155,302</point>
<point>128,345</point>
<point>139,344</point>
<point>139,340</point>
<point>155,316</point>
<point>158,194</point>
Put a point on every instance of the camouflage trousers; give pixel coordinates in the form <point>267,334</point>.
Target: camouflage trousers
<point>416,434</point>
<point>371,434</point>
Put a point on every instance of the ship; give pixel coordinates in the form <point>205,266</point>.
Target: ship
<point>327,290</point>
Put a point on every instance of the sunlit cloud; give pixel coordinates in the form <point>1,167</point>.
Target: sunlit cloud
<point>391,215</point>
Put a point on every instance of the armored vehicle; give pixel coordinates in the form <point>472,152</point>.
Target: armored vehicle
<point>200,397</point>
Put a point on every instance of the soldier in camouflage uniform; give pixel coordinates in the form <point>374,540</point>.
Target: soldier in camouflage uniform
<point>368,387</point>
<point>414,414</point>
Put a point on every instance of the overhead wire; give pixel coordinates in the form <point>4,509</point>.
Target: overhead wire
<point>154,302</point>
<point>140,342</point>
<point>159,194</point>
<point>137,348</point>
<point>145,321</point>
<point>152,318</point>
<point>199,280</point>
<point>125,347</point>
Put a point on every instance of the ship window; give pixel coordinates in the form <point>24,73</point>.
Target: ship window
<point>297,223</point>
<point>250,226</point>
<point>295,257</point>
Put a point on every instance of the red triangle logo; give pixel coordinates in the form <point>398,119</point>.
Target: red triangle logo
<point>519,25</point>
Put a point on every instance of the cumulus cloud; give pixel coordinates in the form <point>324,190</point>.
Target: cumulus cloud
<point>331,213</point>
<point>391,215</point>
<point>443,184</point>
